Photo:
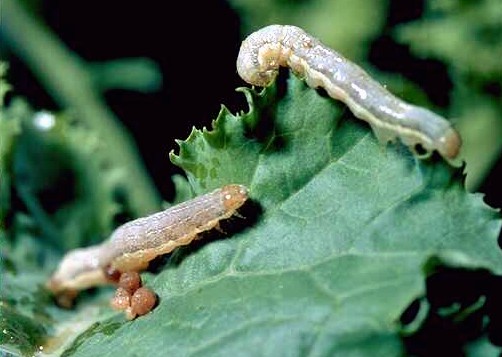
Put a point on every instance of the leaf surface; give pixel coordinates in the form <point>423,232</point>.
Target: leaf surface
<point>337,242</point>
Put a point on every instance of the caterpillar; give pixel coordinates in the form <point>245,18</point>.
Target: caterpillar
<point>133,245</point>
<point>264,51</point>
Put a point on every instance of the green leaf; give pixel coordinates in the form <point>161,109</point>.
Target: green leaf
<point>339,239</point>
<point>483,348</point>
<point>19,334</point>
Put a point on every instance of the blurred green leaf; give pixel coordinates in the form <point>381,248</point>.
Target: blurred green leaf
<point>346,25</point>
<point>447,26</point>
<point>19,334</point>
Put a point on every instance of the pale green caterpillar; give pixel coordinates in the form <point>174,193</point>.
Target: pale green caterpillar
<point>263,51</point>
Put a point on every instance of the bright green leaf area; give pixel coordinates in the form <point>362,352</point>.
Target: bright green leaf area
<point>336,242</point>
